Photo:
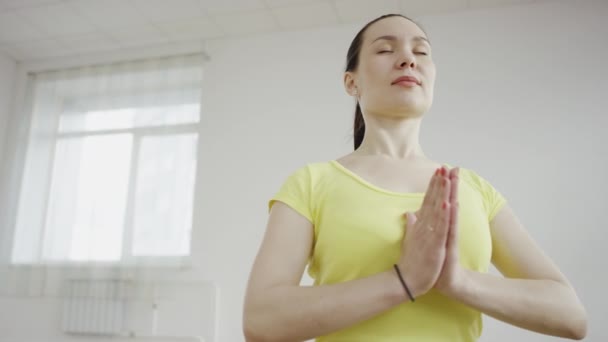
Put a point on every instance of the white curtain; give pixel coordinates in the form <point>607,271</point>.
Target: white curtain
<point>101,184</point>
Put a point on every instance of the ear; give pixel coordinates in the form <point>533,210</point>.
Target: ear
<point>349,83</point>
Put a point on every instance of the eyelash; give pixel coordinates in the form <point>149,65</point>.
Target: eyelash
<point>388,51</point>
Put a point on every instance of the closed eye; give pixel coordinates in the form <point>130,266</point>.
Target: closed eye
<point>385,51</point>
<point>421,53</point>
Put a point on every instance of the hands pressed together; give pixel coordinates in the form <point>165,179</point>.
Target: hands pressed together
<point>429,257</point>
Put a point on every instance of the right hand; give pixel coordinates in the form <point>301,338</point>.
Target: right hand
<point>424,245</point>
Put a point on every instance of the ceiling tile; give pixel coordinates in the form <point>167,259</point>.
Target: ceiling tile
<point>12,4</point>
<point>88,42</point>
<point>351,11</point>
<point>56,19</point>
<point>318,14</point>
<point>13,29</point>
<point>197,28</point>
<point>247,22</point>
<point>108,13</point>
<point>138,36</point>
<point>166,11</point>
<point>413,8</point>
<point>497,3</point>
<point>227,6</point>
<point>282,3</point>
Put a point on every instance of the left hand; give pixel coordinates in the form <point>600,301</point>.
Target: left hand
<point>452,274</point>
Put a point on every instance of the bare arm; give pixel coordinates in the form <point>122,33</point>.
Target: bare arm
<point>534,294</point>
<point>278,309</point>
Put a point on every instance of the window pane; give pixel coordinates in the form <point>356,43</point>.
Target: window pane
<point>125,118</point>
<point>164,195</point>
<point>88,197</point>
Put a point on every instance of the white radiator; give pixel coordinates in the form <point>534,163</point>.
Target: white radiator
<point>96,307</point>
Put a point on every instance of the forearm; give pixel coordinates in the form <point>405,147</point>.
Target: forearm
<point>544,306</point>
<point>298,313</point>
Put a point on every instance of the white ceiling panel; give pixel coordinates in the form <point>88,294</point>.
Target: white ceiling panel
<point>283,3</point>
<point>319,14</point>
<point>227,6</point>
<point>14,29</point>
<point>201,27</point>
<point>158,11</point>
<point>413,8</point>
<point>88,43</point>
<point>497,3</point>
<point>138,36</point>
<point>33,29</point>
<point>12,4</point>
<point>56,19</point>
<point>354,11</point>
<point>108,13</point>
<point>249,22</point>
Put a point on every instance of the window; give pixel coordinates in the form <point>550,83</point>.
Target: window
<point>110,169</point>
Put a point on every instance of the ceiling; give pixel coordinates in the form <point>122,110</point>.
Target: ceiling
<point>38,29</point>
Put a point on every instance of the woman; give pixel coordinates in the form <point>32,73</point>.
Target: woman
<point>399,245</point>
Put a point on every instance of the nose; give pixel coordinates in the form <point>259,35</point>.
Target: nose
<point>407,60</point>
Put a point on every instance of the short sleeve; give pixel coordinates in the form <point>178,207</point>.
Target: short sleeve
<point>493,200</point>
<point>296,192</point>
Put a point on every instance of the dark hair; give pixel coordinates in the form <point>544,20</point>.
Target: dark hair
<point>352,62</point>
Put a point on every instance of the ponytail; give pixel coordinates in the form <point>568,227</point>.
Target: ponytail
<point>359,127</point>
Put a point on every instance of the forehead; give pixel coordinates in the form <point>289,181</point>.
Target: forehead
<point>393,26</point>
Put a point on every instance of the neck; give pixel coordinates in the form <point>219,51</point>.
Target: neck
<point>396,138</point>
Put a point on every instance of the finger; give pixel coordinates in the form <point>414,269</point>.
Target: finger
<point>441,223</point>
<point>453,231</point>
<point>428,202</point>
<point>440,217</point>
<point>445,204</point>
<point>454,185</point>
<point>442,193</point>
<point>437,195</point>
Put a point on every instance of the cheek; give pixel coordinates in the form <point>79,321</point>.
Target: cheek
<point>376,66</point>
<point>372,72</point>
<point>432,71</point>
<point>429,75</point>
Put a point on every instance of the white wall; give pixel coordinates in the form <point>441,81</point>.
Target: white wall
<point>8,69</point>
<point>518,98</point>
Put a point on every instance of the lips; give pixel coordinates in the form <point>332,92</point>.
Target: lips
<point>406,79</point>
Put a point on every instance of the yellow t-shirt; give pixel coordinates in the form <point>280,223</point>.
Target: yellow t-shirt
<point>358,230</point>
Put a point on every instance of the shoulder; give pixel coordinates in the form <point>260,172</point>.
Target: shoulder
<point>312,170</point>
<point>475,180</point>
<point>308,175</point>
<point>471,178</point>
<point>492,199</point>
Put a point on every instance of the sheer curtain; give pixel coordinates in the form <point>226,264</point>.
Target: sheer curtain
<point>103,180</point>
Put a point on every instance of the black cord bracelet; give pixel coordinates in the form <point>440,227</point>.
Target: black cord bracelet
<point>407,290</point>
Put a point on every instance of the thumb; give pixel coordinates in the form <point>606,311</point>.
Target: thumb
<point>411,219</point>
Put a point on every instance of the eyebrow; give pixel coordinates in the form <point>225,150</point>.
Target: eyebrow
<point>393,38</point>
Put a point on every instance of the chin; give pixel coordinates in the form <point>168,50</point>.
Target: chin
<point>411,109</point>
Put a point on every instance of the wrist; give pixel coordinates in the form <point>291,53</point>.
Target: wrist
<point>392,288</point>
<point>401,286</point>
<point>459,289</point>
